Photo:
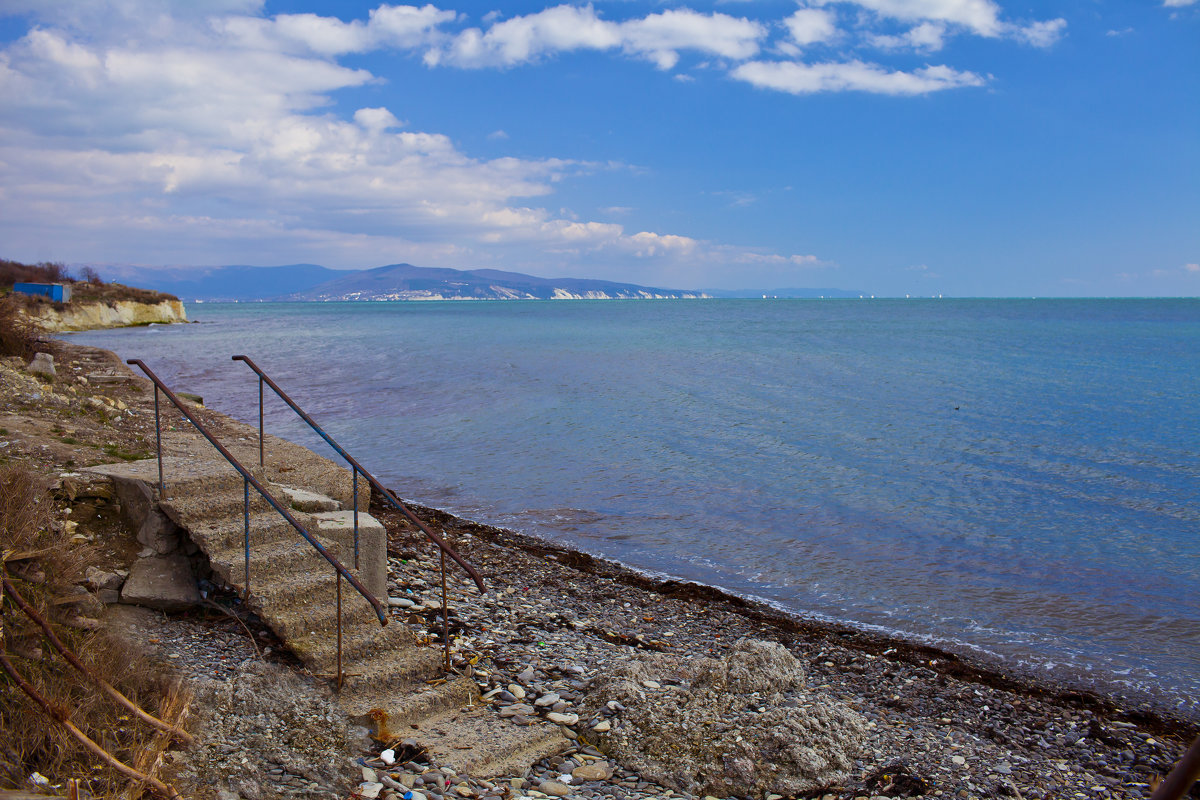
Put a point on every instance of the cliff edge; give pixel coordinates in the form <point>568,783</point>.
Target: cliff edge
<point>85,316</point>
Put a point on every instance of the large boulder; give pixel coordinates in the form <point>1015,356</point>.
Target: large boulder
<point>744,725</point>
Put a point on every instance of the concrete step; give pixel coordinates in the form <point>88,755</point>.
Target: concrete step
<point>275,561</point>
<point>304,500</point>
<point>365,698</point>
<point>475,741</point>
<point>266,528</point>
<point>195,504</point>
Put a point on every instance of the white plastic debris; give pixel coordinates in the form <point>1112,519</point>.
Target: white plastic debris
<point>388,757</point>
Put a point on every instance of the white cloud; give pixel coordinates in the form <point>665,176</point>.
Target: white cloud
<point>661,36</point>
<point>657,37</point>
<point>1042,34</point>
<point>810,26</point>
<point>926,37</point>
<point>797,78</point>
<point>980,16</point>
<point>1177,3</point>
<point>1191,267</point>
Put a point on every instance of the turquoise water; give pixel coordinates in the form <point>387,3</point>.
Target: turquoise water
<point>1019,480</point>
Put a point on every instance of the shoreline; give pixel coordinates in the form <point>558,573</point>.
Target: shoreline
<point>1158,717</point>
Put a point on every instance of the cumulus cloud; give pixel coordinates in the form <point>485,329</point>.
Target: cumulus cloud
<point>657,37</point>
<point>980,17</point>
<point>1177,3</point>
<point>810,26</point>
<point>797,78</point>
<point>927,37</point>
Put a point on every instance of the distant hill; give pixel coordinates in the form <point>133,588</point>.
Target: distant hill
<point>309,282</point>
<point>406,282</point>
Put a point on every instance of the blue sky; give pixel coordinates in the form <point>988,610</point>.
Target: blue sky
<point>960,147</point>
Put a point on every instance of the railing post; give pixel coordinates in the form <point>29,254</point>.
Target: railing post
<point>246,535</point>
<point>162,488</point>
<point>354,477</point>
<point>339,631</point>
<point>260,422</point>
<point>445,614</point>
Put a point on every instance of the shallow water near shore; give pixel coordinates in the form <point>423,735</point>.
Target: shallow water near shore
<point>1014,479</point>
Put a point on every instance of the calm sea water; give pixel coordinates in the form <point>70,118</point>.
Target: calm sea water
<point>1016,479</point>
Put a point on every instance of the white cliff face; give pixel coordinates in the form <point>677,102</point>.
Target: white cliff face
<point>121,314</point>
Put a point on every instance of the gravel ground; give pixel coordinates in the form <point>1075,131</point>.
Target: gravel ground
<point>936,726</point>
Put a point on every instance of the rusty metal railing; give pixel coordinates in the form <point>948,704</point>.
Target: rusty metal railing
<point>357,469</point>
<point>249,480</point>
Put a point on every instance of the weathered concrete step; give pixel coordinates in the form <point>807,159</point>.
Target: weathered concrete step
<point>399,667</point>
<point>181,475</point>
<point>304,500</point>
<point>266,528</point>
<point>192,504</point>
<point>275,562</point>
<point>363,700</point>
<point>476,741</point>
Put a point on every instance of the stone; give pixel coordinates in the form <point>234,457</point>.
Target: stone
<point>162,582</point>
<point>108,596</point>
<point>369,775</point>
<point>603,726</point>
<point>525,676</point>
<point>370,790</point>
<point>158,533</point>
<point>517,691</point>
<point>554,789</point>
<point>42,364</point>
<point>100,579</point>
<point>135,498</point>
<point>707,737</point>
<point>546,700</point>
<point>562,719</point>
<point>596,771</point>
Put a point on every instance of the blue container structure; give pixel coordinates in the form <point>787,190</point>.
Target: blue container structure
<point>58,292</point>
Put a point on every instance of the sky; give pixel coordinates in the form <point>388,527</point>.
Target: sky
<point>955,147</point>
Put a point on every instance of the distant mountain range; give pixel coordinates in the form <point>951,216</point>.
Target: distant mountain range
<point>310,282</point>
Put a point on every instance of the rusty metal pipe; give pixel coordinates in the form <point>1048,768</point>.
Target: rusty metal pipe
<point>1181,778</point>
<point>262,490</point>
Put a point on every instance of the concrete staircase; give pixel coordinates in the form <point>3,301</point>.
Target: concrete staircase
<point>388,674</point>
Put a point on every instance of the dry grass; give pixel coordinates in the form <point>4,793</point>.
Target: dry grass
<point>29,741</point>
<point>17,337</point>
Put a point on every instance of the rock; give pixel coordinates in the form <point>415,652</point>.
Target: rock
<point>603,726</point>
<point>100,579</point>
<point>162,582</point>
<point>158,533</point>
<point>708,738</point>
<point>554,789</point>
<point>525,676</point>
<point>108,596</point>
<point>516,690</point>
<point>596,771</point>
<point>42,364</point>
<point>369,775</point>
<point>546,700</point>
<point>562,719</point>
<point>369,790</point>
<point>135,498</point>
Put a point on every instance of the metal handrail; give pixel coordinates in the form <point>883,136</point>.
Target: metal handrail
<point>248,481</point>
<point>446,550</point>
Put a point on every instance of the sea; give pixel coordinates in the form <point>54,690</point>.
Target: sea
<point>1015,481</point>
